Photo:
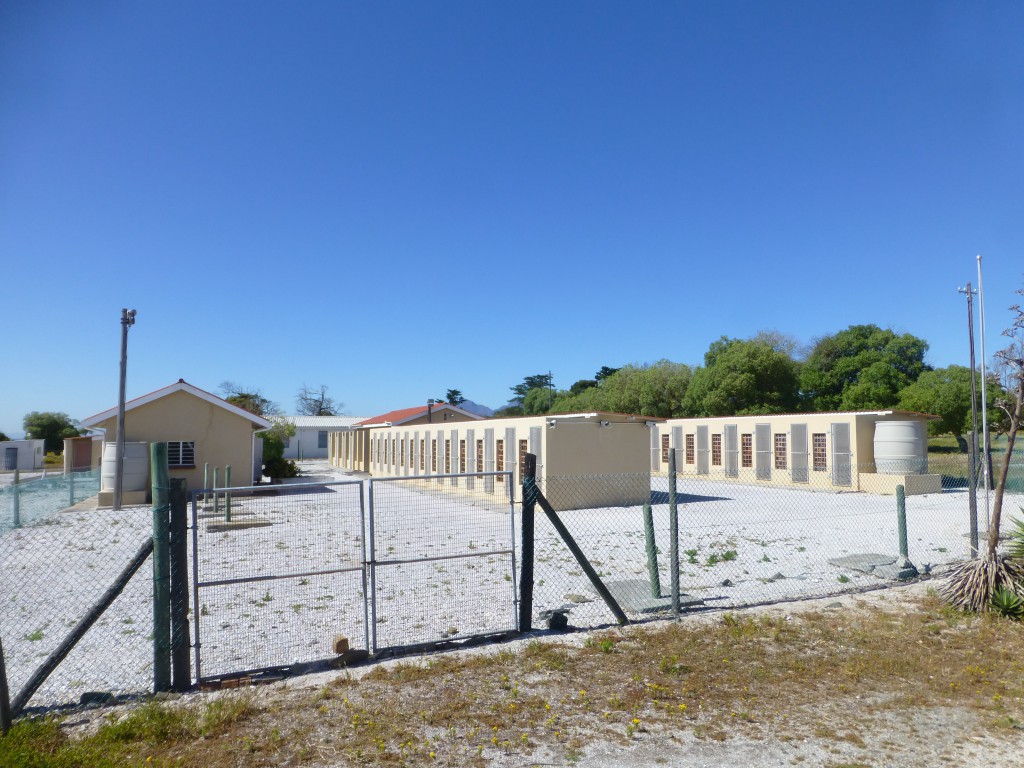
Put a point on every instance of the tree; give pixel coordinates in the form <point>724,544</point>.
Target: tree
<point>538,381</point>
<point>315,402</point>
<point>454,397</point>
<point>946,393</point>
<point>605,372</point>
<point>743,377</point>
<point>582,384</point>
<point>861,368</point>
<point>249,399</point>
<point>50,427</point>
<point>974,584</point>
<point>275,465</point>
<point>537,401</point>
<point>655,389</point>
<point>3,438</point>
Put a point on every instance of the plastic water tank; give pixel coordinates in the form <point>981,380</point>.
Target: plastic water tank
<point>136,467</point>
<point>900,448</point>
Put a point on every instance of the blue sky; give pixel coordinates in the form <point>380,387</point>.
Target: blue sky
<point>396,198</point>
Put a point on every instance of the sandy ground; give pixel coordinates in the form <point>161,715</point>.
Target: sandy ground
<point>781,540</point>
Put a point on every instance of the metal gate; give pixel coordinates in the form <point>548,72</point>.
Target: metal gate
<point>277,573</point>
<point>442,558</point>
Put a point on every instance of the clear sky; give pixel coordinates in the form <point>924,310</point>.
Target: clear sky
<point>397,198</point>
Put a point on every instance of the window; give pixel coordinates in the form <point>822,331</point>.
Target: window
<point>820,456</point>
<point>433,455</point>
<point>664,449</point>
<point>523,450</point>
<point>690,452</point>
<point>401,460</point>
<point>462,457</point>
<point>480,457</point>
<point>321,439</point>
<point>423,455</point>
<point>747,450</point>
<point>716,450</point>
<point>447,457</point>
<point>287,442</point>
<point>499,460</point>
<point>394,449</point>
<point>780,450</point>
<point>378,450</point>
<point>181,454</point>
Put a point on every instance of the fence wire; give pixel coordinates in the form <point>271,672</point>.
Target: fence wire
<point>53,569</point>
<point>38,499</point>
<point>744,543</point>
<point>278,577</point>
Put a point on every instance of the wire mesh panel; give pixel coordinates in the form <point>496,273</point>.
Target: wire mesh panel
<point>40,498</point>
<point>53,570</point>
<point>277,575</point>
<point>740,543</point>
<point>442,560</point>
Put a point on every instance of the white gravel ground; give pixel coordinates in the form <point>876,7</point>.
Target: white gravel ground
<point>51,572</point>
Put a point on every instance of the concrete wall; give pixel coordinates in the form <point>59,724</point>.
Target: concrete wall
<point>781,468</point>
<point>570,453</point>
<point>221,438</point>
<point>31,453</point>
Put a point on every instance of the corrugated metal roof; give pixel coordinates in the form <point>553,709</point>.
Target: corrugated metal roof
<point>323,422</point>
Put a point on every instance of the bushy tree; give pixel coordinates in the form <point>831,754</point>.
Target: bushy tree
<point>655,389</point>
<point>275,465</point>
<point>3,438</point>
<point>537,381</point>
<point>51,427</point>
<point>861,368</point>
<point>946,393</point>
<point>743,377</point>
<point>454,397</point>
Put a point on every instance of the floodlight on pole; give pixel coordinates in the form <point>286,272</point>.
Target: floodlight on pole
<point>127,320</point>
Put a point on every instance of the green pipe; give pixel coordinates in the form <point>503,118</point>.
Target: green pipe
<point>216,498</point>
<point>227,496</point>
<point>901,519</point>
<point>652,551</point>
<point>161,567</point>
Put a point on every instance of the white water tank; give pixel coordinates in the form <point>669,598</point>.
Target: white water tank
<point>136,467</point>
<point>900,448</point>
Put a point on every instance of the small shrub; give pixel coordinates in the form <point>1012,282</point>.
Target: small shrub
<point>1007,604</point>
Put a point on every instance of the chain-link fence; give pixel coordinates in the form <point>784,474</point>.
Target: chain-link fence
<point>748,543</point>
<point>38,499</point>
<point>54,568</point>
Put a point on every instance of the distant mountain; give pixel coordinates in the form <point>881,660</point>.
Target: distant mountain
<point>479,410</point>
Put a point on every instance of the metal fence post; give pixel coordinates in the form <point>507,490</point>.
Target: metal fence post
<point>16,500</point>
<point>652,551</point>
<point>71,488</point>
<point>181,672</point>
<point>673,524</point>
<point>901,519</point>
<point>972,493</point>
<point>161,568</point>
<point>526,566</point>
<point>227,496</point>
<point>5,696</point>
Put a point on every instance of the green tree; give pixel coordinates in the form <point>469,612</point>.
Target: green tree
<point>275,465</point>
<point>3,438</point>
<point>605,372</point>
<point>454,397</point>
<point>946,393</point>
<point>537,401</point>
<point>582,384</point>
<point>743,377</point>
<point>860,368</point>
<point>51,427</point>
<point>538,381</point>
<point>655,389</point>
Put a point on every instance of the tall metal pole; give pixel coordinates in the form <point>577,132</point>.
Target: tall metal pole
<point>972,456</point>
<point>127,320</point>
<point>986,465</point>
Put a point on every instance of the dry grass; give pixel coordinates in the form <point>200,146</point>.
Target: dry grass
<point>830,674</point>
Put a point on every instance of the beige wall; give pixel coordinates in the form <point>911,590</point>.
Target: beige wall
<point>862,430</point>
<point>573,448</point>
<point>221,438</point>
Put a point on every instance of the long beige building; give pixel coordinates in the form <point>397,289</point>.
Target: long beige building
<point>583,459</point>
<point>870,451</point>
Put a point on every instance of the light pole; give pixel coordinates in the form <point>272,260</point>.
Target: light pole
<point>986,467</point>
<point>972,454</point>
<point>127,320</point>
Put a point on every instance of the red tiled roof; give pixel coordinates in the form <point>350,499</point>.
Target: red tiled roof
<point>400,415</point>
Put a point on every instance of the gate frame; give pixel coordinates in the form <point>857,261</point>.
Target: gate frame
<point>196,584</point>
<point>372,564</point>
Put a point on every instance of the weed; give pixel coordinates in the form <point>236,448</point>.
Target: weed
<point>844,579</point>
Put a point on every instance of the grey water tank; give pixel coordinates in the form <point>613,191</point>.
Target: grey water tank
<point>136,467</point>
<point>900,448</point>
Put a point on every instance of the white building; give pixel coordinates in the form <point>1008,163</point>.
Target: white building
<point>310,440</point>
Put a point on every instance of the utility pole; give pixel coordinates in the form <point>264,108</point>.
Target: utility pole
<point>127,320</point>
<point>986,465</point>
<point>972,490</point>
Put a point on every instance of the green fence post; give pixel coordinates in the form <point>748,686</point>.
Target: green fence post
<point>71,488</point>
<point>652,551</point>
<point>161,568</point>
<point>16,500</point>
<point>216,498</point>
<point>227,496</point>
<point>181,671</point>
<point>673,524</point>
<point>5,696</point>
<point>529,470</point>
<point>206,482</point>
<point>901,520</point>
